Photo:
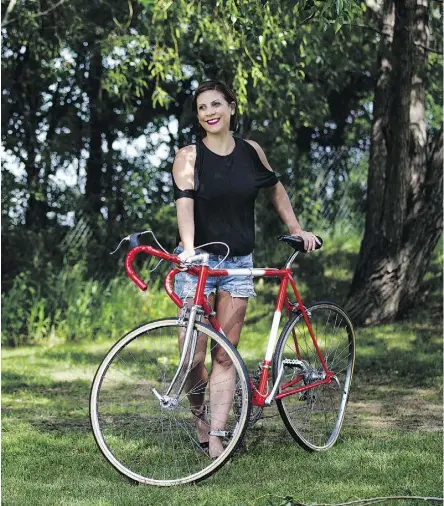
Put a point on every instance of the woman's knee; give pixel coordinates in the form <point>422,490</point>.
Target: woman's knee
<point>221,357</point>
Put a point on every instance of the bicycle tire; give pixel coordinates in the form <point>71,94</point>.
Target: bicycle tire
<point>314,417</point>
<point>140,438</point>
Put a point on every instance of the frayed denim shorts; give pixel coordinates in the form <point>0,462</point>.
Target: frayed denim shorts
<point>238,286</point>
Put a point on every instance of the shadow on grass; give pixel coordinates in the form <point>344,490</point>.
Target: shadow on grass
<point>45,404</point>
<point>14,383</point>
<point>63,426</point>
<point>412,364</point>
<point>76,357</point>
<point>327,276</point>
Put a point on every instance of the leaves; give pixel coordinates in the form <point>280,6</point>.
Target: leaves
<point>302,72</point>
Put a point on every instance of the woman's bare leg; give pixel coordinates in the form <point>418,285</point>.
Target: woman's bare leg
<point>230,313</point>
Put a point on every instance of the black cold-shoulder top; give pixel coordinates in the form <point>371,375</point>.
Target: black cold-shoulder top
<point>225,190</point>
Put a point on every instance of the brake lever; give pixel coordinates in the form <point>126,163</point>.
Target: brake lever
<point>127,238</point>
<point>133,241</point>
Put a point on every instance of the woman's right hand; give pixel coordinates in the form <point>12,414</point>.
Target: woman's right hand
<point>184,255</point>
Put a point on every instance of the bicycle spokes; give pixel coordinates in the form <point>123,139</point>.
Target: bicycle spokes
<point>145,425</point>
<point>311,400</point>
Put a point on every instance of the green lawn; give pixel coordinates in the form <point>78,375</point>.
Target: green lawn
<point>391,443</point>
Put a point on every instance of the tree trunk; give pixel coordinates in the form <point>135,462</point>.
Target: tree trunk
<point>113,189</point>
<point>37,206</point>
<point>404,212</point>
<point>93,188</point>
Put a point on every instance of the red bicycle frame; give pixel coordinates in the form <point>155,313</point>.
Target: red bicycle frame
<point>261,396</point>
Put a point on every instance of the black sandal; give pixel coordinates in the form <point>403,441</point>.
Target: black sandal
<point>200,415</point>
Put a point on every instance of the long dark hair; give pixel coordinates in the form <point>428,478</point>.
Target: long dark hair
<point>228,94</point>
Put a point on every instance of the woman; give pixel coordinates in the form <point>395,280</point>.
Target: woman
<point>216,183</point>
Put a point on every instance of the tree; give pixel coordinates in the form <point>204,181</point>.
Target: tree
<point>404,203</point>
<point>108,79</point>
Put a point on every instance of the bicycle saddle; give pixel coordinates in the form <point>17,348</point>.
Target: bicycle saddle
<point>297,242</point>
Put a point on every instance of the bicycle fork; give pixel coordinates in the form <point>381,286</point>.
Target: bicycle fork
<point>190,342</point>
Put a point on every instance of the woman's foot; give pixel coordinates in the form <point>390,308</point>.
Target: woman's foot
<point>202,426</point>
<point>215,447</point>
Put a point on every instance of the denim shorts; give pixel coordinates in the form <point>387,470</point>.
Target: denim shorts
<point>238,286</point>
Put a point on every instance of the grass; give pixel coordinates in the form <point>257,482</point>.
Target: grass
<point>391,442</point>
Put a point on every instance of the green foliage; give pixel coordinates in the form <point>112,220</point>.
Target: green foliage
<point>151,57</point>
<point>71,307</point>
<point>304,73</point>
<point>17,307</point>
<point>77,308</point>
<point>248,36</point>
<point>434,89</point>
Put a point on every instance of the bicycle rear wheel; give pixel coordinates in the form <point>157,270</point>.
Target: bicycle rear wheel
<point>143,438</point>
<point>314,417</point>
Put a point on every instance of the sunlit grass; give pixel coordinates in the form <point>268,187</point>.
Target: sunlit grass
<point>391,441</point>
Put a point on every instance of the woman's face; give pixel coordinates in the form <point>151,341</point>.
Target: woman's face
<point>214,112</point>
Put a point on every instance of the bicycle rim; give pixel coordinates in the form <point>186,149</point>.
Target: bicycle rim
<point>314,417</point>
<point>140,437</point>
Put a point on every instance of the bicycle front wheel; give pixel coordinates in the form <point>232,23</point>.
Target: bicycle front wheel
<point>152,441</point>
<point>314,416</point>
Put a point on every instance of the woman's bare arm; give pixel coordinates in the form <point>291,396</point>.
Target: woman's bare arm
<point>183,173</point>
<point>282,204</point>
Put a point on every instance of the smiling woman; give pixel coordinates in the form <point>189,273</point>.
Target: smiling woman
<point>216,106</point>
<point>216,183</point>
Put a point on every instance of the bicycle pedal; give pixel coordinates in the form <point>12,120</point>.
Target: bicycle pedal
<point>220,433</point>
<point>292,362</point>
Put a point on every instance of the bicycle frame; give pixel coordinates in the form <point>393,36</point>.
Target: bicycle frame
<point>261,396</point>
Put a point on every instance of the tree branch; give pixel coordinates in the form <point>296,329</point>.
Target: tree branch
<point>362,501</point>
<point>307,18</point>
<point>8,12</point>
<point>60,2</point>
<point>6,21</point>
<point>130,17</point>
<point>367,27</point>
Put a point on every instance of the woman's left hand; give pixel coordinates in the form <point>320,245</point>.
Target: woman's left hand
<point>310,240</point>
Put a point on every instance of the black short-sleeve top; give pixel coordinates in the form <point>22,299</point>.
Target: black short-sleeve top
<point>225,190</point>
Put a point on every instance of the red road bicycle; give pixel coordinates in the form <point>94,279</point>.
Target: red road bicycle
<point>139,410</point>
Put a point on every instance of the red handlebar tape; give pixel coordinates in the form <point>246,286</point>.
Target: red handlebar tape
<point>149,250</point>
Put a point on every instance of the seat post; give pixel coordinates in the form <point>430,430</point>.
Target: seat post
<point>291,258</point>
